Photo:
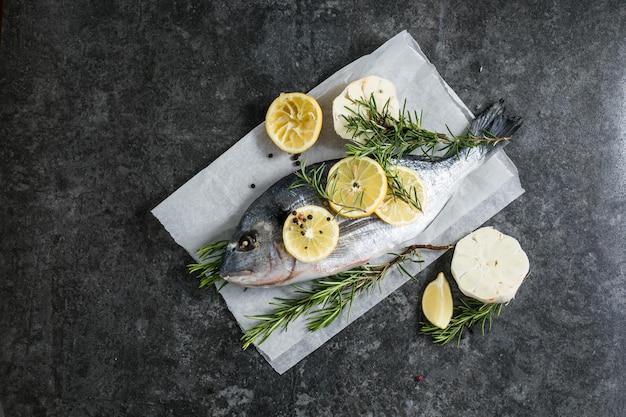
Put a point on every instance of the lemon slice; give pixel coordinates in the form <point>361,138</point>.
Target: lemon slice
<point>489,265</point>
<point>293,122</point>
<point>356,186</point>
<point>396,211</point>
<point>437,302</point>
<point>310,233</point>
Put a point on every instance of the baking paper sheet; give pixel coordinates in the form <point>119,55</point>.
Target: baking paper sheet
<point>208,207</point>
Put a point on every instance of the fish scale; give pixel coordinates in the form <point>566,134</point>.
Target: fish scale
<point>256,256</point>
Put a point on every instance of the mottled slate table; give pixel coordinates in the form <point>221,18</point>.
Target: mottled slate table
<point>106,108</point>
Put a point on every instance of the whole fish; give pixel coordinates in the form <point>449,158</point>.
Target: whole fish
<point>256,256</point>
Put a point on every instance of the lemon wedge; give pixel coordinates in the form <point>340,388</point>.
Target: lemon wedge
<point>310,233</point>
<point>346,104</point>
<point>356,186</point>
<point>437,302</point>
<point>293,122</point>
<point>396,211</point>
<point>489,265</point>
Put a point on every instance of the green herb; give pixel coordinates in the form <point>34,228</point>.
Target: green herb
<point>397,189</point>
<point>470,313</point>
<point>328,297</point>
<point>383,136</point>
<point>210,257</point>
<point>313,178</point>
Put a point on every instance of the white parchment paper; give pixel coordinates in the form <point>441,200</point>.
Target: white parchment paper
<point>208,207</point>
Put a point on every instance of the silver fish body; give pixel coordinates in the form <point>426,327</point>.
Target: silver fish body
<point>256,256</point>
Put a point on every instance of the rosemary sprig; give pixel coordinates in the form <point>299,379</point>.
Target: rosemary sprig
<point>400,191</point>
<point>470,313</point>
<point>314,178</point>
<point>210,257</point>
<point>327,298</point>
<point>331,293</point>
<point>384,136</point>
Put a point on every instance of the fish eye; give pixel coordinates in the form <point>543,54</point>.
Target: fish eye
<point>248,242</point>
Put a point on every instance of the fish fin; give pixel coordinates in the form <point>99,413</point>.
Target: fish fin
<point>492,122</point>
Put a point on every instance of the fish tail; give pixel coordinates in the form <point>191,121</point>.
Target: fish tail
<point>492,122</point>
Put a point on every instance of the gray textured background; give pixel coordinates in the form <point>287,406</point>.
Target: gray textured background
<point>106,107</point>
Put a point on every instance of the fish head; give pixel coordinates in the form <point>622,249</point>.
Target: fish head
<point>256,257</point>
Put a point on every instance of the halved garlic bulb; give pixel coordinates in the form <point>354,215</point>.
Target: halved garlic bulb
<point>489,266</point>
<point>345,105</point>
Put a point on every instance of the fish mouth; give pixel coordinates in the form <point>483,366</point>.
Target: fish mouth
<point>249,279</point>
<point>238,276</point>
<point>243,278</point>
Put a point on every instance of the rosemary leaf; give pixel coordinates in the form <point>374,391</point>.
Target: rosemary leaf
<point>382,135</point>
<point>210,257</point>
<point>470,313</point>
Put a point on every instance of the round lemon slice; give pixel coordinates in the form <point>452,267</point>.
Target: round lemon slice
<point>399,212</point>
<point>437,302</point>
<point>356,186</point>
<point>310,233</point>
<point>293,122</point>
<point>489,265</point>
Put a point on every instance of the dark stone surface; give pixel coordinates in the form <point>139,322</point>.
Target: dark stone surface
<point>106,107</point>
